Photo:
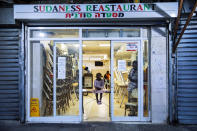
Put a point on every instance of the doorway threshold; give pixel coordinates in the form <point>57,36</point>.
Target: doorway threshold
<point>120,122</point>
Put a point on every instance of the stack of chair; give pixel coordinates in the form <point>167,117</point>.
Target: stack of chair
<point>64,88</point>
<point>48,83</point>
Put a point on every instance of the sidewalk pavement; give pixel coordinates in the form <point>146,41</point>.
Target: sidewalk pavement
<point>93,126</point>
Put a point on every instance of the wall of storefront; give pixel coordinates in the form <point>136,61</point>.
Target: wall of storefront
<point>11,96</point>
<point>8,18</point>
<point>15,91</point>
<point>159,95</point>
<point>158,68</point>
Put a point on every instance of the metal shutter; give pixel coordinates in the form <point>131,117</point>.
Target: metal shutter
<point>9,74</point>
<point>187,75</point>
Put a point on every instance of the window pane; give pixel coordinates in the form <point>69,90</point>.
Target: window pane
<point>105,33</point>
<point>144,32</point>
<point>101,33</point>
<point>131,32</point>
<point>67,79</point>
<point>54,33</point>
<point>41,78</point>
<point>146,70</point>
<point>125,79</point>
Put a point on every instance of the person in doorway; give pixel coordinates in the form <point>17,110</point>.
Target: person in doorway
<point>99,85</point>
<point>107,79</point>
<point>133,84</point>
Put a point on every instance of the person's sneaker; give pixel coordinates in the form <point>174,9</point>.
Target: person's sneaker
<point>99,102</point>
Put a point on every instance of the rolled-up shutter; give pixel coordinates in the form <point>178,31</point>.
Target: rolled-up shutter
<point>9,74</point>
<point>187,75</point>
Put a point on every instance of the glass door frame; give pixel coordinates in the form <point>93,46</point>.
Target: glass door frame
<point>140,84</point>
<point>64,119</point>
<point>140,116</point>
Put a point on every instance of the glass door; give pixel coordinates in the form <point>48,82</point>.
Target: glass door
<point>127,88</point>
<point>66,80</point>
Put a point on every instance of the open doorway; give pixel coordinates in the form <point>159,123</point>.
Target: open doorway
<point>96,59</point>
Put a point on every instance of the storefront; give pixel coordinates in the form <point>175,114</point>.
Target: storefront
<point>62,61</point>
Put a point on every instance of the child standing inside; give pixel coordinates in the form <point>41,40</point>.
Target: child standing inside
<point>99,85</point>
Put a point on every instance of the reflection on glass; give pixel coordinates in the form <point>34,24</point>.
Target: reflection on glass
<point>131,33</point>
<point>144,32</point>
<point>41,79</point>
<point>54,33</point>
<point>125,79</point>
<point>146,90</point>
<point>103,33</point>
<point>67,79</point>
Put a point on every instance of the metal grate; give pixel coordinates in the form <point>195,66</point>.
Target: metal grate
<point>9,74</point>
<point>187,74</point>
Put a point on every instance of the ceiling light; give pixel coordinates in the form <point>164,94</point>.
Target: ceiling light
<point>105,57</point>
<point>40,27</point>
<point>104,44</point>
<point>41,34</point>
<point>76,45</point>
<point>173,15</point>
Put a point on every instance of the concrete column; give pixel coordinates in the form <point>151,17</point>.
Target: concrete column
<point>37,82</point>
<point>159,98</point>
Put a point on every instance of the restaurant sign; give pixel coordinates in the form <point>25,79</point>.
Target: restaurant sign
<point>94,11</point>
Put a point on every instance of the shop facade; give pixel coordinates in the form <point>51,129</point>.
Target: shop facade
<point>129,44</point>
<point>59,40</point>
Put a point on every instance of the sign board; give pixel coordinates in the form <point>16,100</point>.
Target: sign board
<point>96,11</point>
<point>132,46</point>
<point>121,65</point>
<point>34,107</point>
<point>88,81</point>
<point>61,68</point>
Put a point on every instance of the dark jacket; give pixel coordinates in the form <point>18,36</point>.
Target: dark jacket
<point>133,78</point>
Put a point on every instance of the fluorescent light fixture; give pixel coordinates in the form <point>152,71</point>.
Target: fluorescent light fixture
<point>104,44</point>
<point>76,45</point>
<point>173,15</point>
<point>105,57</point>
<point>40,27</point>
<point>41,34</point>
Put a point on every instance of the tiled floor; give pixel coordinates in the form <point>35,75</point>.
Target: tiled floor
<point>95,112</point>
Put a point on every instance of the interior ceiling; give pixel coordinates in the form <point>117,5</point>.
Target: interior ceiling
<point>93,47</point>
